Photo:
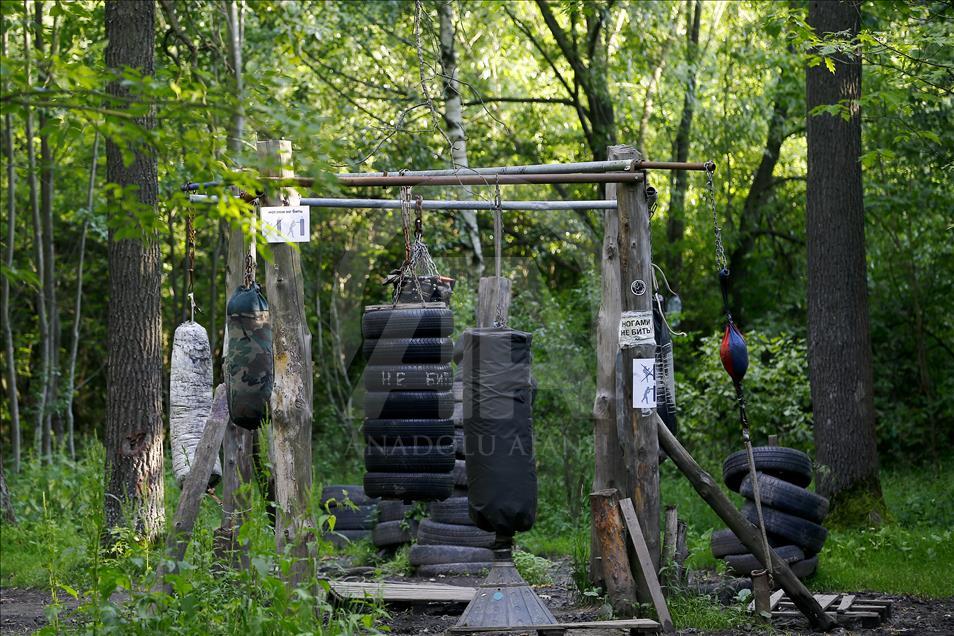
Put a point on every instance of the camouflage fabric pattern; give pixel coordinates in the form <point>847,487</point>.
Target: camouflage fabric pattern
<point>249,362</point>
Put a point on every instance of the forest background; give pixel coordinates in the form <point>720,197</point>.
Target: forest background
<point>359,86</point>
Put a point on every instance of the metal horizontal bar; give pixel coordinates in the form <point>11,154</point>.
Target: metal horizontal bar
<point>540,168</point>
<point>672,165</point>
<point>388,204</point>
<point>464,180</point>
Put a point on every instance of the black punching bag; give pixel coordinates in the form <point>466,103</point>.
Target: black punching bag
<point>498,430</point>
<point>665,380</point>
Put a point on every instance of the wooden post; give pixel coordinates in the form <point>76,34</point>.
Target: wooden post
<point>670,539</point>
<point>610,467</point>
<point>487,300</point>
<point>617,573</point>
<point>196,482</point>
<point>747,533</point>
<point>237,466</point>
<point>636,294</point>
<point>291,405</point>
<point>646,569</point>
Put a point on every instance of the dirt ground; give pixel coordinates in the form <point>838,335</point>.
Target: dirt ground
<point>22,612</point>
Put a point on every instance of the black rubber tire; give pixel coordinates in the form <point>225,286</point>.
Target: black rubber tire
<point>745,564</point>
<point>409,459</point>
<point>789,464</point>
<point>804,533</point>
<point>341,538</point>
<point>435,533</point>
<point>387,351</point>
<point>459,443</point>
<point>460,473</point>
<point>392,511</point>
<point>786,497</point>
<point>806,568</point>
<point>724,542</point>
<point>452,569</point>
<point>451,510</point>
<point>437,554</point>
<point>362,518</point>
<point>417,432</point>
<point>391,533</point>
<point>418,322</point>
<point>408,404</point>
<point>409,486</point>
<point>355,494</point>
<point>408,377</point>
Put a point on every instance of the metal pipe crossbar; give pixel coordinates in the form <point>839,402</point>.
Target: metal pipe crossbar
<point>478,180</point>
<point>624,165</point>
<point>387,204</point>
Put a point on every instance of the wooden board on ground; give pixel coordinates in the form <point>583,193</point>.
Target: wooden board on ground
<point>632,626</point>
<point>846,609</point>
<point>401,592</point>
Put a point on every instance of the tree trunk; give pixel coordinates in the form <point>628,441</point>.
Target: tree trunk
<point>237,447</point>
<point>839,344</point>
<point>680,149</point>
<point>38,253</point>
<point>454,121</point>
<point>49,274</point>
<point>134,453</point>
<point>6,507</point>
<point>78,303</point>
<point>11,367</point>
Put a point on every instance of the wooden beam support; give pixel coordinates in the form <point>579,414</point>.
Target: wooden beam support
<point>617,573</point>
<point>635,258</point>
<point>646,569</point>
<point>747,533</point>
<point>487,300</point>
<point>292,392</point>
<point>195,484</point>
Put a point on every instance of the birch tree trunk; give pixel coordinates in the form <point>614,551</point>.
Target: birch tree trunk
<point>134,452</point>
<point>454,122</point>
<point>49,265</point>
<point>11,367</point>
<point>38,253</point>
<point>78,302</point>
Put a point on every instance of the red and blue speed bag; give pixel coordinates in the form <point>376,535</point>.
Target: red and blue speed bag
<point>734,353</point>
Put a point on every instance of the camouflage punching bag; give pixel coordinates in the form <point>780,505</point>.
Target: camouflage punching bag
<point>249,360</point>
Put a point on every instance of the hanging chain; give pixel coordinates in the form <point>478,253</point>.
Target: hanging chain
<point>411,251</point>
<point>418,219</point>
<point>190,260</point>
<point>721,262</point>
<point>249,270</point>
<point>498,248</point>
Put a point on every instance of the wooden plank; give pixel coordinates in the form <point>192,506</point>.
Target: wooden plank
<point>635,257</point>
<point>394,592</point>
<point>636,624</point>
<point>292,392</point>
<point>617,573</point>
<point>708,489</point>
<point>825,600</point>
<point>846,602</point>
<point>487,300</point>
<point>196,483</point>
<point>646,568</point>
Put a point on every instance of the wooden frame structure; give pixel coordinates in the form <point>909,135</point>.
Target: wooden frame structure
<point>627,439</point>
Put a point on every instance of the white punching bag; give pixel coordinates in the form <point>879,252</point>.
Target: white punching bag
<point>190,397</point>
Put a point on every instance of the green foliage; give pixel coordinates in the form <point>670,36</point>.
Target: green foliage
<point>778,397</point>
<point>706,613</point>
<point>534,569</point>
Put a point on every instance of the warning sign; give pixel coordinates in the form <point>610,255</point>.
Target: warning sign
<point>644,383</point>
<point>636,328</point>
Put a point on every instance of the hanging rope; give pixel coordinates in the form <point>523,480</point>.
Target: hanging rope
<point>735,359</point>
<point>498,249</point>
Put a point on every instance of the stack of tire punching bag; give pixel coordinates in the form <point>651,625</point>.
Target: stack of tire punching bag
<point>408,431</point>
<point>355,513</point>
<point>793,515</point>
<point>448,541</point>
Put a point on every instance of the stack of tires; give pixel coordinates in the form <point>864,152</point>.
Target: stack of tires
<point>448,542</point>
<point>393,528</point>
<point>355,513</point>
<point>409,434</point>
<point>792,514</point>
